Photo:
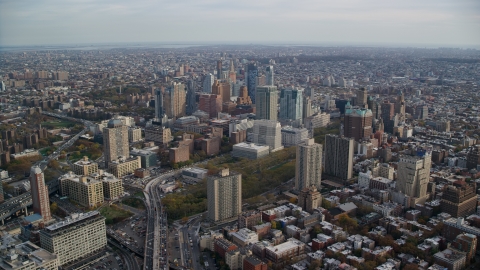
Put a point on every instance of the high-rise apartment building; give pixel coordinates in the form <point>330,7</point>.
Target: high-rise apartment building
<point>413,174</point>
<point>339,156</point>
<point>268,132</point>
<point>174,101</point>
<point>208,82</point>
<point>361,100</point>
<point>115,141</point>
<point>270,75</point>
<point>40,197</point>
<point>459,199</point>
<point>307,107</point>
<point>221,88</point>
<point>191,99</point>
<point>252,74</point>
<point>76,237</point>
<point>159,110</point>
<point>308,167</point>
<point>243,98</point>
<point>357,123</point>
<point>291,104</point>
<point>224,195</point>
<point>211,104</point>
<point>266,102</point>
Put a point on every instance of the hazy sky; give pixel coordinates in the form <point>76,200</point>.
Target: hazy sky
<point>340,22</point>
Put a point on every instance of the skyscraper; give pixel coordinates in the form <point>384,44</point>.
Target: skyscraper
<point>40,198</point>
<point>221,88</point>
<point>219,70</point>
<point>270,75</point>
<point>291,104</point>
<point>208,82</point>
<point>268,132</point>
<point>308,168</point>
<point>400,104</point>
<point>191,100</point>
<point>413,174</point>
<point>339,156</point>
<point>159,111</point>
<point>357,123</point>
<point>175,100</point>
<point>266,106</point>
<point>232,74</point>
<point>115,141</point>
<point>361,100</point>
<point>224,195</point>
<point>252,74</point>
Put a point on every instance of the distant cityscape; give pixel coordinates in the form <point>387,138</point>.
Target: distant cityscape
<point>247,157</point>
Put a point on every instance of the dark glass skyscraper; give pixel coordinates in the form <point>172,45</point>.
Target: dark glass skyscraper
<point>252,74</point>
<point>191,102</point>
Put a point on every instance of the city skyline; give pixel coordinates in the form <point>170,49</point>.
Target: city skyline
<point>353,23</point>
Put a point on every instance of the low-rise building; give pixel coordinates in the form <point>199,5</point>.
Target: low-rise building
<point>244,237</point>
<point>279,253</point>
<point>250,150</point>
<point>17,255</point>
<point>194,174</point>
<point>147,158</point>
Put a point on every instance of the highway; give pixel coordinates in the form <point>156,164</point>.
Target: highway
<point>157,228</point>
<point>129,260</point>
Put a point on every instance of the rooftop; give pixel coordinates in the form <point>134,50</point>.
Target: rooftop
<point>74,218</point>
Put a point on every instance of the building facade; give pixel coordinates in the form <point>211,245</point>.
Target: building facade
<point>291,104</point>
<point>174,101</point>
<point>85,167</point>
<point>266,102</point>
<point>339,156</point>
<point>40,197</point>
<point>224,195</point>
<point>413,175</point>
<point>268,132</point>
<point>459,199</point>
<point>308,167</point>
<point>76,237</point>
<point>115,141</point>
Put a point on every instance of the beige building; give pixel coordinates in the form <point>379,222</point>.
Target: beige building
<point>174,101</point>
<point>76,237</point>
<point>85,167</point>
<point>115,141</point>
<point>134,134</point>
<point>112,187</point>
<point>308,168</point>
<point>124,166</point>
<point>414,175</point>
<point>86,191</point>
<point>224,195</point>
